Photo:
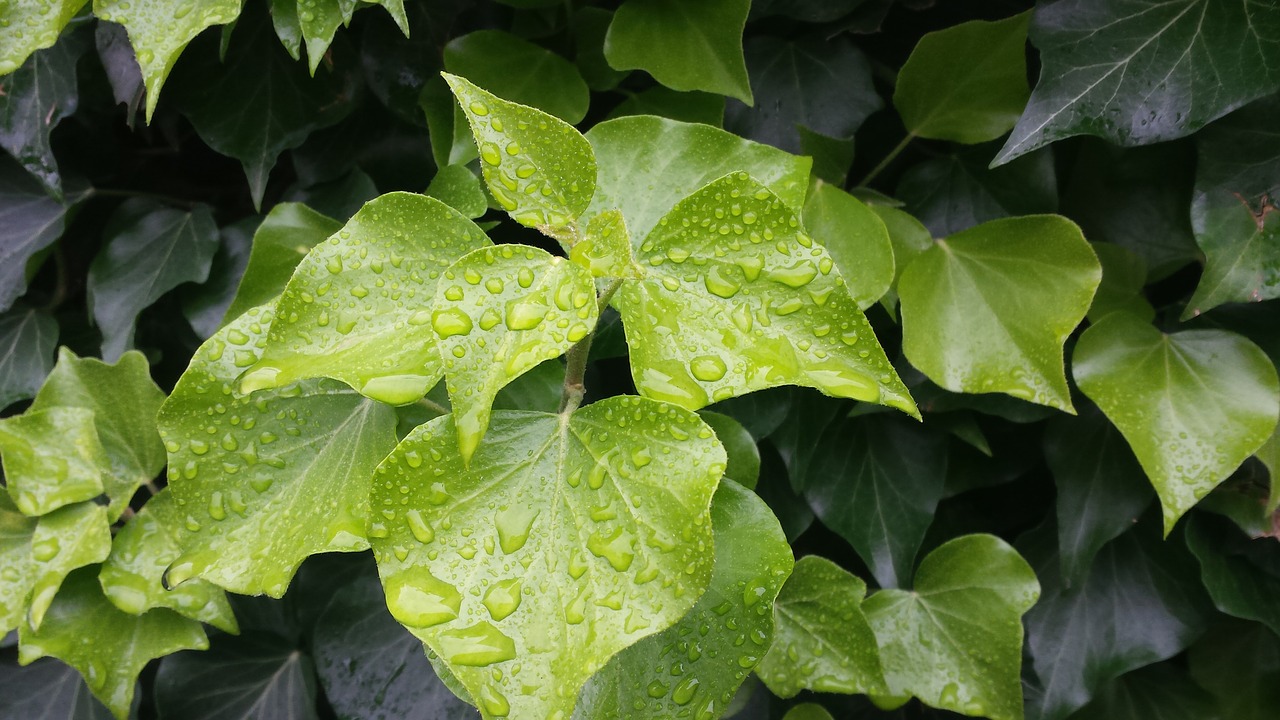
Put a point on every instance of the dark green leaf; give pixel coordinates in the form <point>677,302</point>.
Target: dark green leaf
<point>206,305</point>
<point>519,71</point>
<point>27,339</point>
<point>30,221</point>
<point>256,677</point>
<point>743,466</point>
<point>1123,276</point>
<point>48,690</point>
<point>1238,586</point>
<point>37,97</point>
<point>1240,664</point>
<point>590,24</point>
<point>285,236</point>
<point>1158,692</point>
<point>954,193</point>
<point>687,107</point>
<point>803,414</point>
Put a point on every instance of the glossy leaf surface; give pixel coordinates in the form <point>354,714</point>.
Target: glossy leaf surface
<point>1158,692</point>
<point>254,677</point>
<point>50,690</point>
<point>51,458</point>
<point>30,221</point>
<point>38,96</point>
<point>519,72</point>
<point>27,340</point>
<point>32,26</point>
<point>284,238</point>
<point>64,540</point>
<point>856,239</point>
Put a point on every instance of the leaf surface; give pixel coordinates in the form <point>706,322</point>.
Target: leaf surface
<point>33,26</point>
<point>520,72</point>
<point>284,238</point>
<point>64,540</point>
<point>1240,664</point>
<point>30,221</point>
<point>49,690</point>
<point>256,677</point>
<point>38,96</point>
<point>855,237</point>
<point>51,458</point>
<point>1157,692</point>
<point>27,340</point>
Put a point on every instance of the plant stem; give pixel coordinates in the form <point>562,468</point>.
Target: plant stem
<point>576,360</point>
<point>893,154</point>
<point>60,289</point>
<point>433,406</point>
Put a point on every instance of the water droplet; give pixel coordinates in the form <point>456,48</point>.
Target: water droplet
<point>513,525</point>
<point>451,321</point>
<point>707,368</point>
<point>479,645</point>
<point>419,600</point>
<point>503,598</point>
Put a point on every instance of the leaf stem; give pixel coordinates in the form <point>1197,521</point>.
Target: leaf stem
<point>433,406</point>
<point>893,154</point>
<point>576,361</point>
<point>60,289</point>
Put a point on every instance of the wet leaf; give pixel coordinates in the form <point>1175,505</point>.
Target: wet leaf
<point>33,26</point>
<point>856,239</point>
<point>64,540</point>
<point>38,96</point>
<point>459,188</point>
<point>51,458</point>
<point>520,72</point>
<point>281,241</point>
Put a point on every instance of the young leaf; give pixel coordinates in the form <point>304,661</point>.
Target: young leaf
<point>52,458</point>
<point>50,690</point>
<point>30,221</point>
<point>37,97</point>
<point>1157,692</point>
<point>758,305</point>
<point>648,164</point>
<point>743,463</point>
<point>118,644</point>
<point>16,563</point>
<point>519,72</point>
<point>318,21</point>
<point>605,248</point>
<point>807,711</point>
<point>459,188</point>
<point>27,339</point>
<point>684,46</point>
<point>822,641</point>
<point>682,670</point>
<point>276,476</point>
<point>964,617</point>
<point>586,532</point>
<point>1134,73</point>
<point>64,540</point>
<point>358,308</point>
<point>989,309</point>
<point>32,26</point>
<point>1238,585</point>
<point>856,239</point>
<point>1193,405</point>
<point>132,576</point>
<point>967,83</point>
<point>500,312</point>
<point>283,239</point>
<point>539,169</point>
<point>149,251</point>
<point>256,676</point>
<point>159,32</point>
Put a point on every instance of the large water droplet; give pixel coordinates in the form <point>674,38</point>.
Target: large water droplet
<point>418,599</point>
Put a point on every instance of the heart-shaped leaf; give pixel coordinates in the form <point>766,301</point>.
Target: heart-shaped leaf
<point>282,240</point>
<point>52,458</point>
<point>855,237</point>
<point>520,72</point>
<point>64,540</point>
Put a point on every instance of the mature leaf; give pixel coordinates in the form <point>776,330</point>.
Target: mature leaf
<point>821,85</point>
<point>687,107</point>
<point>954,193</point>
<point>27,339</point>
<point>1136,73</point>
<point>64,540</point>
<point>121,66</point>
<point>538,168</point>
<point>685,46</point>
<point>1101,488</point>
<point>605,248</point>
<point>856,239</point>
<point>967,83</point>
<point>1124,274</point>
<point>590,25</point>
<point>48,690</point>
<point>371,668</point>
<point>1193,405</point>
<point>806,414</point>
<point>877,482</point>
<point>30,221</point>
<point>52,458</point>
<point>124,401</point>
<point>283,239</point>
<point>1238,586</point>
<point>132,576</point>
<point>37,97</point>
<point>1140,603</point>
<point>1158,692</point>
<point>807,711</point>
<point>276,476</point>
<point>459,188</point>
<point>32,26</point>
<point>647,165</point>
<point>1269,454</point>
<point>539,389</point>
<point>149,251</point>
<point>765,412</point>
<point>588,532</point>
<point>823,641</point>
<point>1236,208</point>
<point>684,671</point>
<point>909,239</point>
<point>743,456</point>
<point>205,305</point>
<point>519,72</point>
<point>1240,664</point>
<point>988,309</point>
<point>256,677</point>
<point>118,644</point>
<point>955,641</point>
<point>16,564</point>
<point>358,308</point>
<point>746,314</point>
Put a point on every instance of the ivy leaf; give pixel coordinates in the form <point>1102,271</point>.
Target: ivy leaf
<point>500,312</point>
<point>967,83</point>
<point>687,107</point>
<point>1193,405</point>
<point>1237,584</point>
<point>681,670</point>
<point>49,690</point>
<point>856,239</point>
<point>371,668</point>
<point>16,531</point>
<point>52,458</point>
<point>539,389</point>
<point>954,193</point>
<point>149,251</point>
<point>683,46</point>
<point>1135,74</point>
<point>989,309</point>
<point>648,164</point>
<point>805,415</point>
<point>256,676</point>
<point>132,576</point>
<point>159,32</point>
<point>589,26</point>
<point>909,239</point>
<point>822,641</point>
<point>27,339</point>
<point>1269,455</point>
<point>1234,210</point>
<point>317,21</point>
<point>303,451</point>
<point>589,532</point>
<point>1240,664</point>
<point>37,97</point>
<point>877,482</point>
<point>807,711</point>
<point>123,401</point>
<point>822,85</point>
<point>31,27</point>
<point>459,188</point>
<point>1124,274</point>
<point>64,540</point>
<point>539,169</point>
<point>356,309</point>
<point>759,305</point>
<point>520,72</point>
<point>30,221</point>
<point>205,305</point>
<point>1158,692</point>
<point>283,239</point>
<point>743,463</point>
<point>955,641</point>
<point>605,248</point>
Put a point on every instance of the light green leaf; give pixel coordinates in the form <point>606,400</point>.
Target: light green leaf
<point>123,401</point>
<point>743,466</point>
<point>283,239</point>
<point>539,169</point>
<point>159,31</point>
<point>955,641</point>
<point>284,19</point>
<point>64,540</point>
<point>318,22</point>
<point>605,248</point>
<point>277,476</point>
<point>1193,405</point>
<point>685,46</point>
<point>856,239</point>
<point>586,532</point>
<point>52,458</point>
<point>141,551</point>
<point>358,306</point>
<point>108,647</point>
<point>149,251</point>
<point>648,164</point>
<point>27,339</point>
<point>32,25</point>
<point>1124,274</point>
<point>822,641</point>
<point>519,72</point>
<point>16,564</point>
<point>499,313</point>
<point>807,711</point>
<point>260,676</point>
<point>459,188</point>
<point>1269,454</point>
<point>685,671</point>
<point>909,238</point>
<point>967,83</point>
<point>989,309</point>
<point>757,305</point>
